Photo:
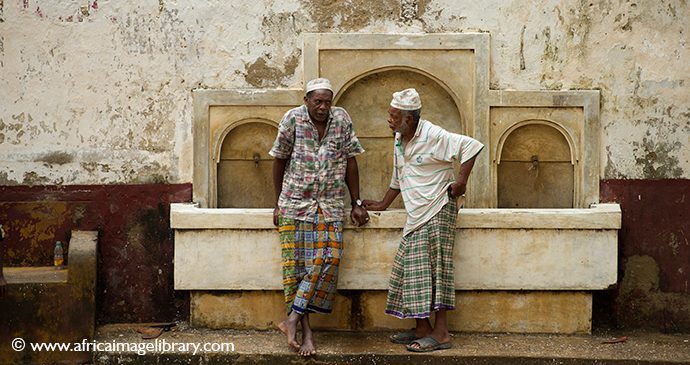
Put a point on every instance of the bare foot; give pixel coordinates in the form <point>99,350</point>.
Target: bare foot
<point>289,328</point>
<point>307,348</point>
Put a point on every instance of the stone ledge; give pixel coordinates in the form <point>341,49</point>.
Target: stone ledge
<point>600,216</point>
<point>28,275</point>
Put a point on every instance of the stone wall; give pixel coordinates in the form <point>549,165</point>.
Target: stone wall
<point>98,93</point>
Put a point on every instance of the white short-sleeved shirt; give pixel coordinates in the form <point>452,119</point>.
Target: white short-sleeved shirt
<point>424,170</point>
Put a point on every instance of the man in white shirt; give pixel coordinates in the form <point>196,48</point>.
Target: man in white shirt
<point>422,279</point>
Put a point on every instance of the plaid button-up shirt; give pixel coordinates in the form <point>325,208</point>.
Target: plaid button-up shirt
<point>315,175</point>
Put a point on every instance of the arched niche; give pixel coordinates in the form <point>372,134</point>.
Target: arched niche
<point>536,167</point>
<point>244,167</point>
<point>367,98</point>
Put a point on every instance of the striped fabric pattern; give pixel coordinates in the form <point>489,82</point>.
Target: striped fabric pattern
<point>311,254</point>
<point>422,278</point>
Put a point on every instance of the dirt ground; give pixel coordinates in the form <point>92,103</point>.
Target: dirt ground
<point>627,347</point>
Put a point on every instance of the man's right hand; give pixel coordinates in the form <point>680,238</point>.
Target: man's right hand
<point>276,215</point>
<point>374,205</point>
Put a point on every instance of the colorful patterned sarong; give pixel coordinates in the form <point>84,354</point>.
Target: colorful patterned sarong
<point>311,254</point>
<point>422,279</point>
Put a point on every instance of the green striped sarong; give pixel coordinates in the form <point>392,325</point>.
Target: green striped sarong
<point>422,279</point>
<point>311,255</point>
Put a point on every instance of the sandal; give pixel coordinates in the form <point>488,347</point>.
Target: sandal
<point>404,338</point>
<point>428,344</point>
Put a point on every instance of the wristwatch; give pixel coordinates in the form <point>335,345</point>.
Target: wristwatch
<point>357,202</point>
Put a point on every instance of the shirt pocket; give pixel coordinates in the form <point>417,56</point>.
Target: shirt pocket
<point>334,150</point>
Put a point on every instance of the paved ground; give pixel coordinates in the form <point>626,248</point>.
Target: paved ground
<point>269,347</point>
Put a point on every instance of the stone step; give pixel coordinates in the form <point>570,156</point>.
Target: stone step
<point>348,347</point>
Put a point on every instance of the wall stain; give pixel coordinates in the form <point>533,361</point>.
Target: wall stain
<point>56,158</point>
<point>549,79</point>
<point>95,167</point>
<point>260,74</point>
<point>550,47</point>
<point>6,181</point>
<point>641,303</point>
<point>577,23</point>
<point>157,133</point>
<point>656,160</point>
<point>176,37</point>
<point>642,102</point>
<point>32,178</point>
<point>352,15</point>
<point>522,48</point>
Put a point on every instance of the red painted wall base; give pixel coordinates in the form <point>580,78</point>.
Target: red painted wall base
<point>135,268</point>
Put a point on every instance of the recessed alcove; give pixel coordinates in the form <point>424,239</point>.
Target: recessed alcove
<point>244,165</point>
<point>535,167</point>
<point>367,99</point>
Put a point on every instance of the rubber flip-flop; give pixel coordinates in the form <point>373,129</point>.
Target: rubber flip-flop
<point>428,344</point>
<point>404,338</point>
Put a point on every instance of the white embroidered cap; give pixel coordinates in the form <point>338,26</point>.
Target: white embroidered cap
<point>319,83</point>
<point>407,99</point>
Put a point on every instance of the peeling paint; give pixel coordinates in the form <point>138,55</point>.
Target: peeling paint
<point>33,178</point>
<point>656,159</point>
<point>550,48</point>
<point>408,11</point>
<point>261,74</point>
<point>578,24</point>
<point>351,15</point>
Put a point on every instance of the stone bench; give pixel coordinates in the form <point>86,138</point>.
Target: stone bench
<point>43,304</point>
<point>517,270</point>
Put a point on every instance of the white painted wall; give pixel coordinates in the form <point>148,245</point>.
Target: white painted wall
<point>99,92</point>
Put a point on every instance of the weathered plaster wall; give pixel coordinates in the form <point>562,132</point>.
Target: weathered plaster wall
<point>98,92</point>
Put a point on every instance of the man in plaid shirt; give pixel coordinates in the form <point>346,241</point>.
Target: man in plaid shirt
<point>314,159</point>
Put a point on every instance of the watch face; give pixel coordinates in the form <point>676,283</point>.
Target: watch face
<point>359,202</point>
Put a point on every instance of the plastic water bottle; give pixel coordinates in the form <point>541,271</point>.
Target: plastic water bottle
<point>59,259</point>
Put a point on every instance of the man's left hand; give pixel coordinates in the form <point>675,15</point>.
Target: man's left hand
<point>359,216</point>
<point>457,189</point>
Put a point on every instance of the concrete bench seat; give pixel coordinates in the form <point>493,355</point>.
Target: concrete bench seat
<point>28,275</point>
